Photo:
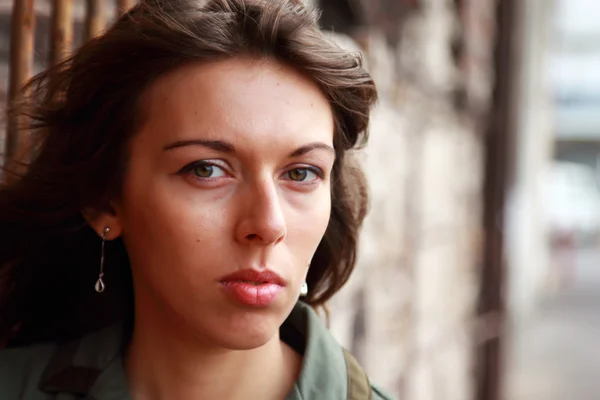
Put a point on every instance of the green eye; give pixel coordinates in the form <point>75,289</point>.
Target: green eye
<point>203,170</point>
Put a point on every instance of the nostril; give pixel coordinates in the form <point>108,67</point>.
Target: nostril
<point>252,236</point>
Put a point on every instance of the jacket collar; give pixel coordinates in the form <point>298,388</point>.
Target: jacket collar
<point>323,374</point>
<point>93,365</point>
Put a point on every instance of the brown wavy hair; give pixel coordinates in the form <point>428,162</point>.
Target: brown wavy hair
<point>82,114</point>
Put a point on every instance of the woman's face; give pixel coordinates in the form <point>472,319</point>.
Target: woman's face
<point>230,172</point>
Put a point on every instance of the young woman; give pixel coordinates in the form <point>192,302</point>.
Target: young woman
<point>191,183</point>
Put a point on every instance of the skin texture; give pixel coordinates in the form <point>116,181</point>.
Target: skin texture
<point>185,227</point>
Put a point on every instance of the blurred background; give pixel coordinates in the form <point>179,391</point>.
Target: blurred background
<point>479,267</point>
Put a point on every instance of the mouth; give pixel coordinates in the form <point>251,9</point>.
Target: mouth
<point>254,277</point>
<point>252,283</point>
<point>253,288</point>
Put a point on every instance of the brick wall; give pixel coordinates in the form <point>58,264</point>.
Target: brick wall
<point>409,311</point>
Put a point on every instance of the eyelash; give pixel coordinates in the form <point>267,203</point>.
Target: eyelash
<point>189,169</point>
<point>317,171</point>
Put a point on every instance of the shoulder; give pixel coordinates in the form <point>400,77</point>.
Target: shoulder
<point>328,371</point>
<point>359,384</point>
<point>21,371</point>
<point>378,394</point>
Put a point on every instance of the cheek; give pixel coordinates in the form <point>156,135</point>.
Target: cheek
<point>310,223</point>
<point>163,223</point>
<point>323,211</point>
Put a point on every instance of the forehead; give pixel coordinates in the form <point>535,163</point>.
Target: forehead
<point>242,99</point>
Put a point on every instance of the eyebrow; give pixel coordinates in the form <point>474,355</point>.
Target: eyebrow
<point>217,145</point>
<point>226,147</point>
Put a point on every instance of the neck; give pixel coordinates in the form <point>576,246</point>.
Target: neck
<point>165,362</point>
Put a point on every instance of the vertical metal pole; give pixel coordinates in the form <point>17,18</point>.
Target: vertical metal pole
<point>62,30</point>
<point>94,18</point>
<point>499,145</point>
<point>21,70</point>
<point>124,5</point>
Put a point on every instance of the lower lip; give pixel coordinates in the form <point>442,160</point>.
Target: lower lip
<point>253,295</point>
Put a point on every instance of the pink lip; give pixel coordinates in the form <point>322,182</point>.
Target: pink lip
<point>253,288</point>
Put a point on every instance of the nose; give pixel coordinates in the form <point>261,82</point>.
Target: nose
<point>262,220</point>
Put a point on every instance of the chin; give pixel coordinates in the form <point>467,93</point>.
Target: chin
<point>243,342</point>
<point>244,329</point>
<point>248,338</point>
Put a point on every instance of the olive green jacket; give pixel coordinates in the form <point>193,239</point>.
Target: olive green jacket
<point>92,367</point>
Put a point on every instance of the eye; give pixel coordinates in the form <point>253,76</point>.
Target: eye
<point>303,174</point>
<point>204,170</point>
<point>208,171</point>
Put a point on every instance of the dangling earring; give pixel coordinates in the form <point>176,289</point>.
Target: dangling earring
<point>100,286</point>
<point>304,289</point>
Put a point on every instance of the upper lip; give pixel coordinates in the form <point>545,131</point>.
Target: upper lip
<point>254,276</point>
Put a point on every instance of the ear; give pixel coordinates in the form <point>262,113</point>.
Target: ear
<point>100,220</point>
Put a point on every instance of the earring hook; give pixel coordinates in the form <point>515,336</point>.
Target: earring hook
<point>100,286</point>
